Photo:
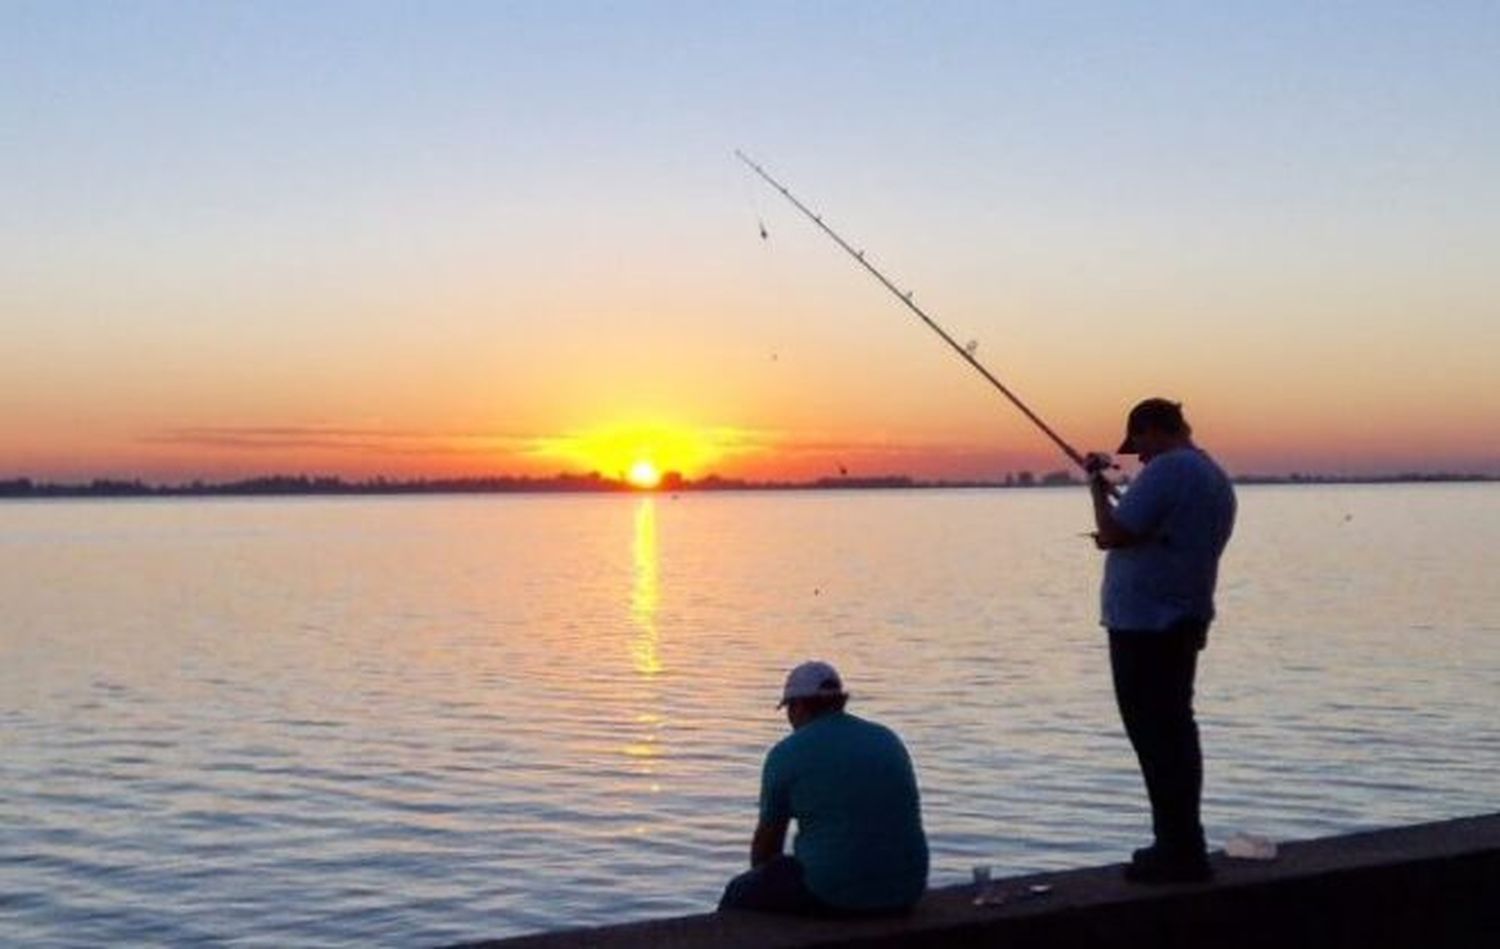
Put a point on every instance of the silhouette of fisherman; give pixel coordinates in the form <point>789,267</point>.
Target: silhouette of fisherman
<point>1163,541</point>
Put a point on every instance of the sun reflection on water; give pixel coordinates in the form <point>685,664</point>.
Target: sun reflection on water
<point>646,593</point>
<point>645,652</point>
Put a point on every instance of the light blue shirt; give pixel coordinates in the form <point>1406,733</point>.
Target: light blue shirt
<point>850,785</point>
<point>1181,506</point>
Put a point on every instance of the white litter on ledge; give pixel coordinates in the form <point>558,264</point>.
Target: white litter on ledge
<point>1250,847</point>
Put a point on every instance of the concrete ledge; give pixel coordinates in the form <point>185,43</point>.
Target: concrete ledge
<point>1430,885</point>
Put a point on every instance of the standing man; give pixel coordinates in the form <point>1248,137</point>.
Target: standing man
<point>1163,540</point>
<point>849,784</point>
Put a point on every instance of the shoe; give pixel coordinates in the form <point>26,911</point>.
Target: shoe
<point>1152,865</point>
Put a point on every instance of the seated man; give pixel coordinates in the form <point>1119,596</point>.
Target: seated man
<point>860,849</point>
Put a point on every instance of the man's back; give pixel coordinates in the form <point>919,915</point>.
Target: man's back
<point>850,786</point>
<point>1182,507</point>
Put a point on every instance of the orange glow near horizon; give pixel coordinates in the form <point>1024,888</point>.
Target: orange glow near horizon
<point>644,453</point>
<point>962,433</point>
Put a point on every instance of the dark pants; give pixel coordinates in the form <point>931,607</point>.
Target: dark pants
<point>775,886</point>
<point>1153,673</point>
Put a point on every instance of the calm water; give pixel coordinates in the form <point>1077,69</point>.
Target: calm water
<point>410,721</point>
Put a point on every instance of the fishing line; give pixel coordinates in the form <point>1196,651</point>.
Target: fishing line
<point>768,270</point>
<point>757,208</point>
<point>965,352</point>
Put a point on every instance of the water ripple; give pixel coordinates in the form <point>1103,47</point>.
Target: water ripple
<point>418,721</point>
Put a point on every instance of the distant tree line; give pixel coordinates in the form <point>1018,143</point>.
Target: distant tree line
<point>295,485</point>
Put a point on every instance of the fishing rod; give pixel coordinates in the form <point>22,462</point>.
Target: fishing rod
<point>965,352</point>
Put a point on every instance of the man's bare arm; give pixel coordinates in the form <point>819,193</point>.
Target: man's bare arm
<point>1108,534</point>
<point>768,842</point>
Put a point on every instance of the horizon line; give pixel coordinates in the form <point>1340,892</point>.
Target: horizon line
<point>595,482</point>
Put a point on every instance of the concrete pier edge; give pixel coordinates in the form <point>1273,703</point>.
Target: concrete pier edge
<point>1427,885</point>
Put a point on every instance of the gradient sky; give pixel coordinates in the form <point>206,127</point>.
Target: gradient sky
<point>471,238</point>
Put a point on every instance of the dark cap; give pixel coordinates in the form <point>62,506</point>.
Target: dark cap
<point>1152,413</point>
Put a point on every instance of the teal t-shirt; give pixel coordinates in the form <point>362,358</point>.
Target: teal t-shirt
<point>850,786</point>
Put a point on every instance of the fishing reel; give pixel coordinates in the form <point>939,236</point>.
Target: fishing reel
<point>1098,462</point>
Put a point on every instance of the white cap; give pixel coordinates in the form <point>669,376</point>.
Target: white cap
<point>811,680</point>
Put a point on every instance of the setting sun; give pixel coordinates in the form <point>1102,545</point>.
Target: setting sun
<point>644,453</point>
<point>644,474</point>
